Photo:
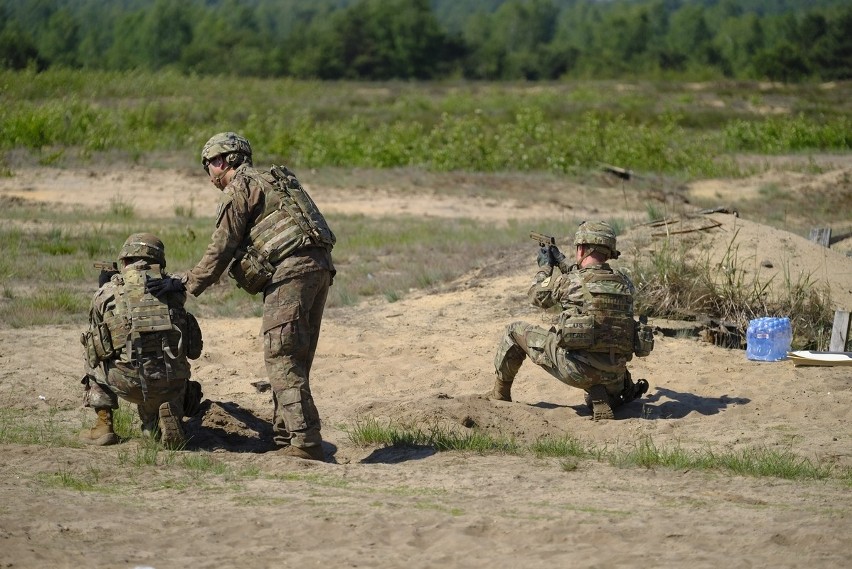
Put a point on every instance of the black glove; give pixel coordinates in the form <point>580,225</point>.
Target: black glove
<point>556,256</point>
<point>105,277</point>
<point>163,286</point>
<point>543,258</point>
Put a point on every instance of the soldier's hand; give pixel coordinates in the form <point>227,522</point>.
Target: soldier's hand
<point>163,286</point>
<point>105,277</point>
<point>543,257</point>
<point>557,257</point>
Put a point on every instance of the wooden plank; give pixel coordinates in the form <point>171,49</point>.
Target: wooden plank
<point>839,331</point>
<point>821,235</point>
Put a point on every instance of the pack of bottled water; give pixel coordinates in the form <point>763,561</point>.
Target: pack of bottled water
<point>768,339</point>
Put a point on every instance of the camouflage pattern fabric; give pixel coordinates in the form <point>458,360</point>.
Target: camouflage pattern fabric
<point>292,315</point>
<point>521,340</point>
<point>122,377</point>
<point>577,368</point>
<point>293,304</point>
<point>241,207</point>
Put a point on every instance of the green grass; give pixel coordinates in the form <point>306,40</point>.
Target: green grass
<point>16,427</point>
<point>90,481</point>
<point>371,432</point>
<point>644,453</point>
<point>443,126</point>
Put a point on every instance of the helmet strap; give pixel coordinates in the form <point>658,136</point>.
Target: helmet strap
<point>217,180</point>
<point>591,249</point>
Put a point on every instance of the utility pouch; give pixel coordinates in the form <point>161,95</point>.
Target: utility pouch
<point>98,344</point>
<point>252,271</point>
<point>576,332</point>
<point>89,348</point>
<point>643,338</point>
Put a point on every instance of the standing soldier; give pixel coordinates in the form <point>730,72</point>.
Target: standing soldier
<point>137,346</point>
<point>596,335</point>
<point>273,239</point>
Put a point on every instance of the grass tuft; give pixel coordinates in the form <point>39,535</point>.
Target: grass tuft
<point>371,432</point>
<point>677,282</point>
<point>756,462</point>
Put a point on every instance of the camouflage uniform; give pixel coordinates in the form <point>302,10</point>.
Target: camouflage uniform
<point>577,368</point>
<point>117,377</point>
<point>144,368</point>
<point>293,299</point>
<point>599,368</point>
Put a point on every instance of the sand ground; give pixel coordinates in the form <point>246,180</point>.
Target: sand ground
<point>428,358</point>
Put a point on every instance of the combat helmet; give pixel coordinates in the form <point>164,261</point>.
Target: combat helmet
<point>598,234</point>
<point>144,246</point>
<point>236,148</point>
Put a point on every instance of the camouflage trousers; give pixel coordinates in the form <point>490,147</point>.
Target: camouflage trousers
<point>104,388</point>
<point>541,345</point>
<point>292,315</point>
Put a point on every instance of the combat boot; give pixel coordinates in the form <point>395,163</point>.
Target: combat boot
<point>101,434</point>
<point>171,430</point>
<point>308,453</point>
<point>630,391</point>
<point>502,390</point>
<point>599,399</point>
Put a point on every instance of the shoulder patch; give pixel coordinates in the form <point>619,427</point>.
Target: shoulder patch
<point>225,199</point>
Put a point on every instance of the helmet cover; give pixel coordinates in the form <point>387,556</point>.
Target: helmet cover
<point>598,234</point>
<point>144,246</point>
<point>225,143</point>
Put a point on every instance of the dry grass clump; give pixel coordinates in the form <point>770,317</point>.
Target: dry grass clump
<point>679,280</point>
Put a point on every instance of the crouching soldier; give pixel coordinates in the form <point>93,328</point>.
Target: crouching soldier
<point>596,335</point>
<point>137,347</point>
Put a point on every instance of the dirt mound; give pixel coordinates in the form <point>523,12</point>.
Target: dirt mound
<point>226,426</point>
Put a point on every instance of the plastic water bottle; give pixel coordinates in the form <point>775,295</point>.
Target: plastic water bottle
<point>768,339</point>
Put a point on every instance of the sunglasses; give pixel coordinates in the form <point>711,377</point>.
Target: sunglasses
<point>217,161</point>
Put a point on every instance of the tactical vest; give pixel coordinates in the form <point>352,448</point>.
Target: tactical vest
<point>290,221</point>
<point>141,332</point>
<point>605,321</point>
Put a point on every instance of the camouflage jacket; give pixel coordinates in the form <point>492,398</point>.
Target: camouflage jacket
<point>108,311</point>
<point>569,291</point>
<point>240,207</point>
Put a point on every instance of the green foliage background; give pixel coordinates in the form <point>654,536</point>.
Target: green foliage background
<point>782,40</point>
<point>564,127</point>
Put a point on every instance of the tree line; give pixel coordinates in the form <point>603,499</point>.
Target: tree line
<point>533,40</point>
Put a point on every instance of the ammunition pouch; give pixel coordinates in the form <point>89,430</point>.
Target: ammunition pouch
<point>643,339</point>
<point>97,342</point>
<point>251,270</point>
<point>576,332</point>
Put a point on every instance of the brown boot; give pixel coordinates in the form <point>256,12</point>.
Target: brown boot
<point>502,390</point>
<point>308,453</point>
<point>101,434</point>
<point>600,403</point>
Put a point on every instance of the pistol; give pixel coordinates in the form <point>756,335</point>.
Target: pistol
<point>110,266</point>
<point>108,269</point>
<point>543,240</point>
